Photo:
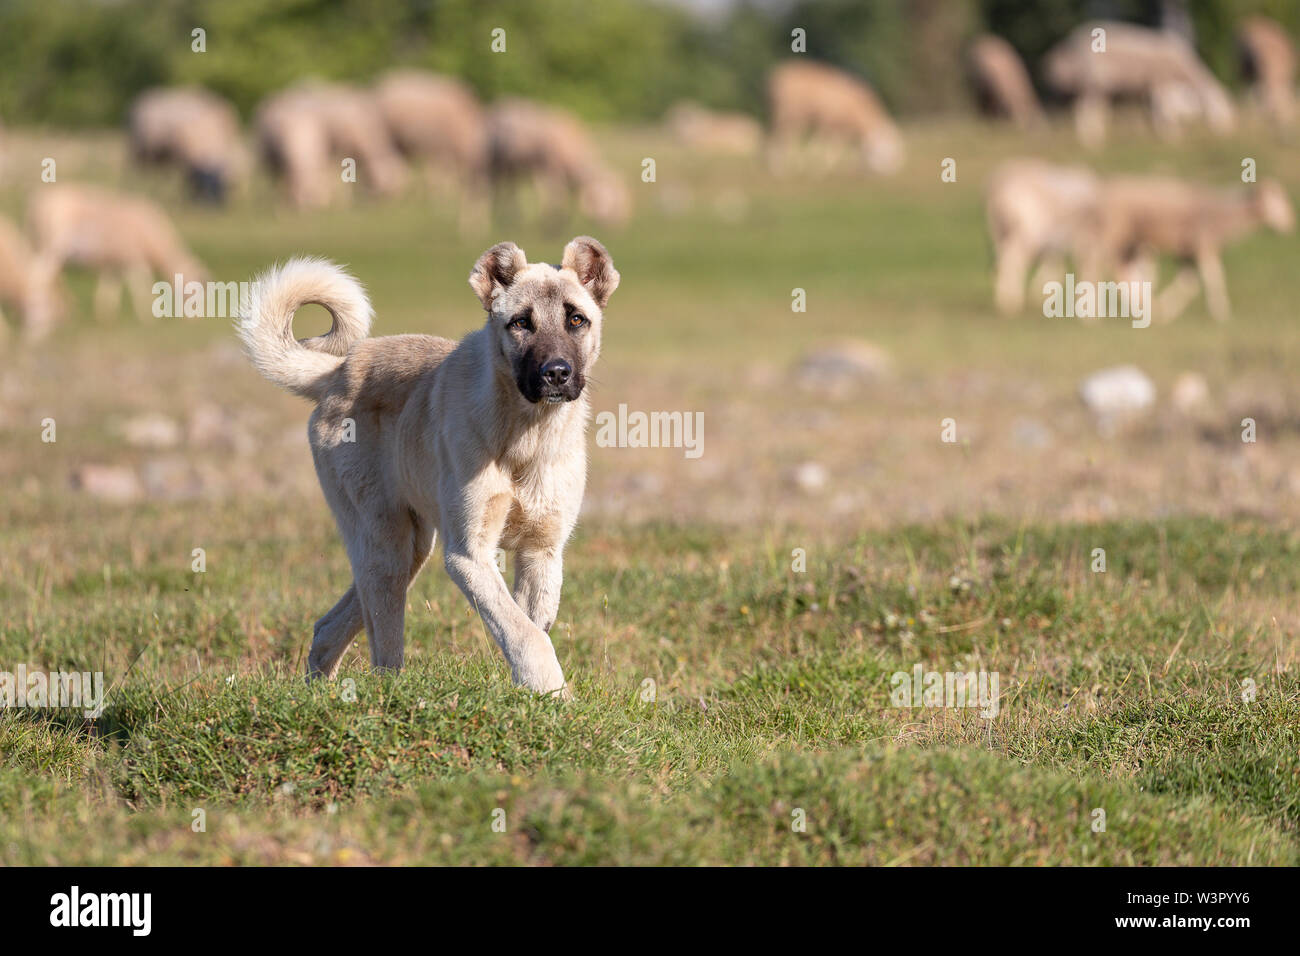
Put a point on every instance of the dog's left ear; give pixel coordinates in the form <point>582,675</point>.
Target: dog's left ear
<point>495,270</point>
<point>595,269</point>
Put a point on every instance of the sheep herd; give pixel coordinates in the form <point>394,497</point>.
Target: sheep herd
<point>314,139</point>
<point>317,138</point>
<point>1114,228</point>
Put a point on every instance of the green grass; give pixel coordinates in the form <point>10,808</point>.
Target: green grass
<point>769,694</point>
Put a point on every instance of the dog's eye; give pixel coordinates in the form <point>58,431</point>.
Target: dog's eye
<point>523,322</point>
<point>577,320</point>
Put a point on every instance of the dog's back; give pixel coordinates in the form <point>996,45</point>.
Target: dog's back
<point>375,381</point>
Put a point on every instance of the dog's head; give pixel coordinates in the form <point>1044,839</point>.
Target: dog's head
<point>543,320</point>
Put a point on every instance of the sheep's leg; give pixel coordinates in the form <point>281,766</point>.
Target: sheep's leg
<point>1139,274</point>
<point>780,149</point>
<point>507,198</point>
<point>108,296</point>
<point>1009,283</point>
<point>1216,287</point>
<point>1051,267</point>
<point>1091,115</point>
<point>43,305</point>
<point>139,287</point>
<point>830,155</point>
<point>1176,296</point>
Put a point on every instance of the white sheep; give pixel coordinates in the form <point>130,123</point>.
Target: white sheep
<point>1002,84</point>
<point>193,128</point>
<point>118,236</point>
<point>551,147</point>
<point>1141,217</point>
<point>309,131</point>
<point>437,121</point>
<point>36,302</point>
<point>714,131</point>
<point>817,100</point>
<point>1039,214</point>
<point>1268,60</point>
<point>1156,67</point>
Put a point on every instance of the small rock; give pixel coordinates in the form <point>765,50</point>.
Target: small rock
<point>210,426</point>
<point>645,483</point>
<point>843,365</point>
<point>152,430</point>
<point>108,482</point>
<point>1190,392</point>
<point>1029,433</point>
<point>171,477</point>
<point>809,477</point>
<point>1119,392</point>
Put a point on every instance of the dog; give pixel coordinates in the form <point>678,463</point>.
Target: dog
<point>412,435</point>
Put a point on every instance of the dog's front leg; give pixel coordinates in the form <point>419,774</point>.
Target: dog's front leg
<point>526,646</point>
<point>539,573</point>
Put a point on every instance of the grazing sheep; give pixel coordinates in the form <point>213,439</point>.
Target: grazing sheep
<point>551,148</point>
<point>813,99</point>
<point>307,131</point>
<point>190,127</point>
<point>1268,61</point>
<point>1038,214</point>
<point>437,121</point>
<point>295,146</point>
<point>116,235</point>
<point>15,266</point>
<point>36,303</point>
<point>1002,85</point>
<point>1156,67</point>
<point>1140,217</point>
<point>695,127</point>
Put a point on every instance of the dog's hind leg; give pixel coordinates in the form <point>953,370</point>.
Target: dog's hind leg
<point>333,635</point>
<point>392,568</point>
<point>383,564</point>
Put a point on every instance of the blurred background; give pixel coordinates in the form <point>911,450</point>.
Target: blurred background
<point>71,63</point>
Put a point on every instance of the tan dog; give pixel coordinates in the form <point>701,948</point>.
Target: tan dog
<point>413,435</point>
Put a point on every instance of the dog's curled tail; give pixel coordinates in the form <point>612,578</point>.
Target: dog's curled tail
<point>266,323</point>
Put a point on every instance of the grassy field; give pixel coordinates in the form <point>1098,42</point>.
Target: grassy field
<point>730,707</point>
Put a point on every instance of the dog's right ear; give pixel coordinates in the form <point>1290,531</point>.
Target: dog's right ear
<point>495,270</point>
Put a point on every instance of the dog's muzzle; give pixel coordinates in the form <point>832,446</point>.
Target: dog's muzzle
<point>553,382</point>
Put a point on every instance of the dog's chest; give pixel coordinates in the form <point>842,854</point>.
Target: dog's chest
<point>540,497</point>
<point>531,524</point>
<point>545,473</point>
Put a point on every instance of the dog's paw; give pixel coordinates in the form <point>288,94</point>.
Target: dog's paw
<point>542,675</point>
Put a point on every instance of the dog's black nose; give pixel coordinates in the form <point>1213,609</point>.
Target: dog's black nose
<point>556,372</point>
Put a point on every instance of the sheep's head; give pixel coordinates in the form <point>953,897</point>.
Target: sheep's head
<point>1064,68</point>
<point>1274,205</point>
